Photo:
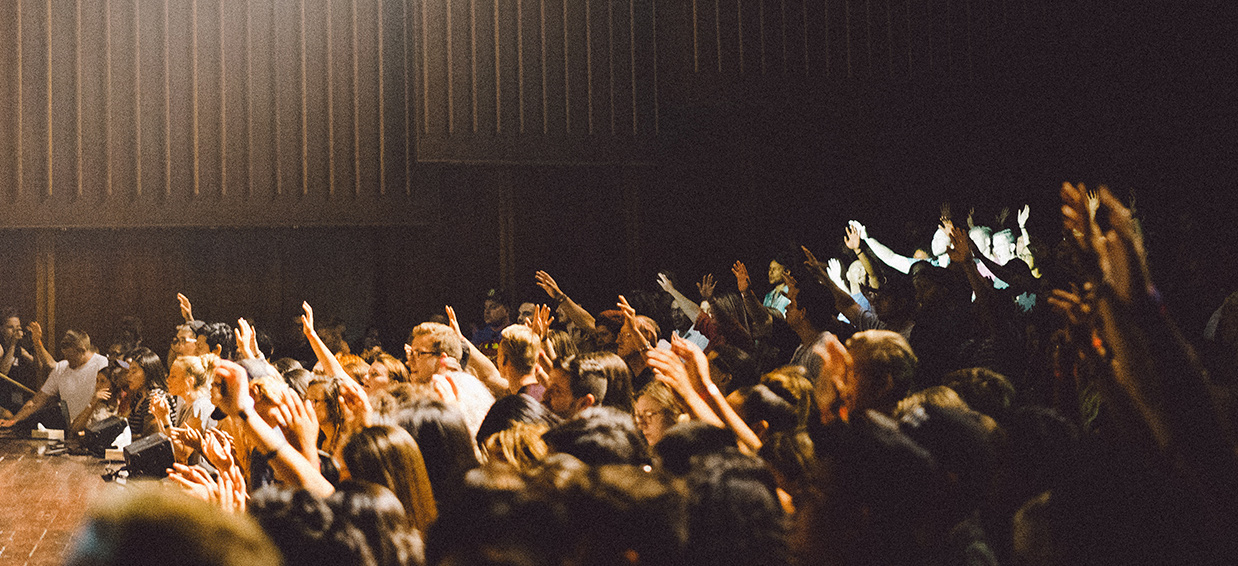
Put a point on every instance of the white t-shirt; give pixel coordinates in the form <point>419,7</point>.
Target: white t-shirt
<point>74,386</point>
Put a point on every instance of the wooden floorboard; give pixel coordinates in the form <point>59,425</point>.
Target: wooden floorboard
<point>42,500</point>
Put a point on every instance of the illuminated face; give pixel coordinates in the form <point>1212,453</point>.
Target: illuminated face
<point>652,418</point>
<point>627,342</point>
<point>135,378</point>
<point>526,312</point>
<point>186,343</point>
<point>179,382</point>
<point>776,272</point>
<point>558,396</point>
<point>11,330</point>
<point>422,359</point>
<point>495,313</point>
<point>981,240</point>
<point>1003,247</point>
<point>376,379</point>
<point>856,275</point>
<point>316,394</point>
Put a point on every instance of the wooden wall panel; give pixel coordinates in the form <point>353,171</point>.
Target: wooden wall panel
<point>207,113</point>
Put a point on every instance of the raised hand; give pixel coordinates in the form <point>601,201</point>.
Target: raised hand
<point>811,260</point>
<point>1002,215</point>
<point>540,321</point>
<point>742,281</point>
<point>547,283</point>
<point>859,228</point>
<point>834,385</point>
<point>217,448</point>
<point>186,307</point>
<point>246,343</point>
<point>195,481</point>
<point>960,245</point>
<point>793,289</point>
<point>971,218</point>
<point>230,388</point>
<point>696,364</point>
<point>159,408</point>
<point>834,269</point>
<point>629,313</point>
<point>36,332</point>
<point>945,212</point>
<point>1075,305</point>
<point>669,369</point>
<point>1024,214</point>
<point>307,319</point>
<point>665,283</point>
<point>706,287</point>
<point>853,238</point>
<point>452,322</point>
<point>353,398</point>
<point>298,417</point>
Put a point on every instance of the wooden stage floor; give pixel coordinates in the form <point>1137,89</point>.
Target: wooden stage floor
<point>42,500</point>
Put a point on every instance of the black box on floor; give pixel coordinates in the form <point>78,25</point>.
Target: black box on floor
<point>149,456</point>
<point>98,437</point>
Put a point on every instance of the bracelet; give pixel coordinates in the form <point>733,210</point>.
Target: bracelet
<point>272,453</point>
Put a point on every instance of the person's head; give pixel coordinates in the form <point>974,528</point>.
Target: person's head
<point>305,529</point>
<point>731,367</point>
<point>938,288</point>
<point>496,312</point>
<point>792,384</point>
<point>561,343</point>
<point>894,300</point>
<point>427,344</point>
<point>76,348</point>
<point>147,526</point>
<point>734,512</point>
<point>186,342</point>
<point>10,325</point>
<point>219,338</point>
<point>981,238</point>
<point>518,351</point>
<point>324,393</point>
<point>378,513</point>
<point>191,373</point>
<point>812,309</point>
<point>570,390</point>
<point>355,366</point>
<point>857,276</point>
<point>983,390</point>
<point>520,446</point>
<point>388,456</point>
<point>1003,246</point>
<point>445,442</point>
<point>512,409</point>
<point>628,343</point>
<point>692,438</point>
<point>384,371</point>
<point>762,410</point>
<point>298,379</point>
<point>525,312</point>
<point>146,371</point>
<point>618,392</point>
<point>777,271</point>
<point>285,365</point>
<point>657,409</point>
<point>600,435</point>
<point>959,441</point>
<point>884,366</point>
<point>937,395</point>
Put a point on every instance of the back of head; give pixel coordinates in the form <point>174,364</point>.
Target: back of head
<point>881,355</point>
<point>983,390</point>
<point>442,339</point>
<point>298,379</point>
<point>508,411</point>
<point>738,368</point>
<point>761,405</point>
<point>377,512</point>
<point>693,438</point>
<point>962,447</point>
<point>304,529</point>
<point>519,347</point>
<point>734,513</point>
<point>388,456</point>
<point>139,527</point>
<point>600,435</point>
<point>792,383</point>
<point>443,437</point>
<point>594,369</point>
<point>818,305</point>
<point>200,368</point>
<point>220,335</point>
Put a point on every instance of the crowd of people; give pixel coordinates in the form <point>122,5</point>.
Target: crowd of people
<point>994,398</point>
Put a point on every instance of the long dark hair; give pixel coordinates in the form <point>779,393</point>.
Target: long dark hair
<point>444,439</point>
<point>152,367</point>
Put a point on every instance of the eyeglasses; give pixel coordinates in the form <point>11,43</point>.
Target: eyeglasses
<point>179,341</point>
<point>417,354</point>
<point>646,417</point>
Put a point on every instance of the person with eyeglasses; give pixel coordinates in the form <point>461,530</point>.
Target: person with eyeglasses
<point>72,380</point>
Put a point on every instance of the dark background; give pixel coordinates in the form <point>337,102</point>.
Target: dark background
<point>838,116</point>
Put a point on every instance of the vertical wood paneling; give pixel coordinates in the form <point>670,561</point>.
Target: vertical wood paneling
<point>62,104</point>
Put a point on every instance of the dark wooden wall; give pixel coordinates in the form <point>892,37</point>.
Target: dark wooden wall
<point>383,157</point>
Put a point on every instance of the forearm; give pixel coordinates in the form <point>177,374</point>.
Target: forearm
<point>874,277</point>
<point>328,360</point>
<point>578,315</point>
<point>689,308</point>
<point>888,257</point>
<point>844,302</point>
<point>32,406</point>
<point>723,409</point>
<point>6,361</point>
<point>757,313</point>
<point>44,357</point>
<point>485,370</point>
<point>293,467</point>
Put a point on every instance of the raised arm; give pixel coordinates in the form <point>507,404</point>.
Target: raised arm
<point>963,257</point>
<point>685,304</point>
<point>329,362</point>
<point>760,316</point>
<point>886,255</point>
<point>843,301</point>
<point>478,365</point>
<point>231,390</point>
<point>45,359</point>
<point>698,371</point>
<point>855,243</point>
<point>576,313</point>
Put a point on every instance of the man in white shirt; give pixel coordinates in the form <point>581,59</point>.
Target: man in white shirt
<point>72,379</point>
